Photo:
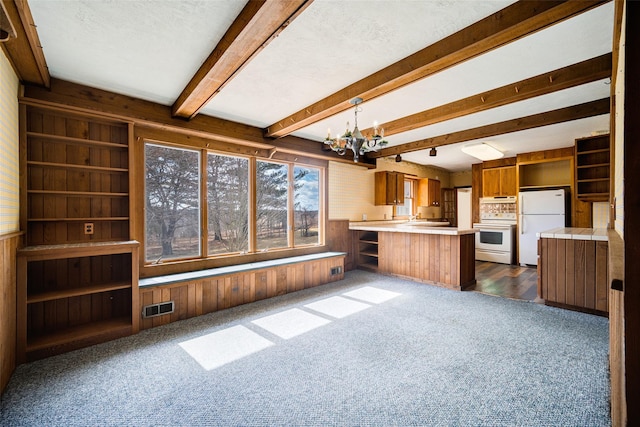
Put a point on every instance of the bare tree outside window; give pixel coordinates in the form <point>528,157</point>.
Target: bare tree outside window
<point>306,205</point>
<point>272,200</point>
<point>228,200</point>
<point>172,228</point>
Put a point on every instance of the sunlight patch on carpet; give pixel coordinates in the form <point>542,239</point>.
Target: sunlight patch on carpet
<point>219,348</point>
<point>337,307</point>
<point>372,295</point>
<point>290,323</point>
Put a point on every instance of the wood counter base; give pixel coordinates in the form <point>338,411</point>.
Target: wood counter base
<point>573,274</point>
<point>437,259</point>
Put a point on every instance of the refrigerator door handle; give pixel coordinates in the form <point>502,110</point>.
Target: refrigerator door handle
<point>521,224</point>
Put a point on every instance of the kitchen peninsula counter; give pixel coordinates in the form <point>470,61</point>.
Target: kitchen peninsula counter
<point>419,227</point>
<point>573,268</point>
<point>437,255</point>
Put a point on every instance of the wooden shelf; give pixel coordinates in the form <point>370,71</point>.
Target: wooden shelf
<point>77,333</point>
<point>369,242</point>
<point>76,292</point>
<point>592,195</point>
<point>600,150</point>
<point>370,254</point>
<point>593,180</point>
<point>597,165</point>
<point>78,193</point>
<point>84,219</point>
<point>76,141</point>
<point>85,249</point>
<point>541,187</point>
<point>78,167</point>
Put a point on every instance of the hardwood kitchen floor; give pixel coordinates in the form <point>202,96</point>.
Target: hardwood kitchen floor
<point>509,281</point>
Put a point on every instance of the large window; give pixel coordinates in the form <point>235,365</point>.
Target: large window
<point>306,205</point>
<point>172,228</point>
<point>250,205</point>
<point>228,204</point>
<point>272,205</point>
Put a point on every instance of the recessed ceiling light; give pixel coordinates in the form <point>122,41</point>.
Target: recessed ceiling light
<point>482,151</point>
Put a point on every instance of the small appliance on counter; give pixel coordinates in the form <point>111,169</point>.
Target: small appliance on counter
<point>495,241</point>
<point>538,211</point>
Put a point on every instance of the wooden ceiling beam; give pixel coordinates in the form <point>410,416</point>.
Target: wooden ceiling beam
<point>581,111</point>
<point>511,23</point>
<point>255,27</point>
<point>25,51</point>
<point>573,75</point>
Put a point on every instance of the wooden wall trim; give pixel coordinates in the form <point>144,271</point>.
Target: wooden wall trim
<point>25,50</point>
<point>631,205</point>
<point>616,329</point>
<point>9,244</point>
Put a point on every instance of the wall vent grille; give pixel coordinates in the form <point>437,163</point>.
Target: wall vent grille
<point>158,309</point>
<point>336,270</point>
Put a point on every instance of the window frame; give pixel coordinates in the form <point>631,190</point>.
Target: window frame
<point>252,217</point>
<point>414,183</point>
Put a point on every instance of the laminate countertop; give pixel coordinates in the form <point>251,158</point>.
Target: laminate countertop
<point>574,233</point>
<point>417,227</point>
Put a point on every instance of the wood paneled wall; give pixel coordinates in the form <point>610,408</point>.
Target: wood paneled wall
<point>574,273</point>
<point>340,239</point>
<point>443,260</point>
<point>8,245</point>
<point>206,295</point>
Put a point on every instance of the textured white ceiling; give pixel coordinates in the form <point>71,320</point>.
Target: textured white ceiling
<point>150,49</point>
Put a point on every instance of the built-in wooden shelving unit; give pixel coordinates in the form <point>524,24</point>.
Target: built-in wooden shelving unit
<point>368,250</point>
<point>78,274</point>
<point>593,168</point>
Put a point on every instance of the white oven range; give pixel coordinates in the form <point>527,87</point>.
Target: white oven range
<point>495,240</point>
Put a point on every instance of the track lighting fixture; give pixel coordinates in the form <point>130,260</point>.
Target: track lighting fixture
<point>433,152</point>
<point>398,158</point>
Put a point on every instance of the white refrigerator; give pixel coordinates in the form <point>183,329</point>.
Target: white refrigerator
<point>538,211</point>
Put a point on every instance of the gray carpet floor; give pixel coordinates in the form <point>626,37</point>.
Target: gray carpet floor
<point>426,357</point>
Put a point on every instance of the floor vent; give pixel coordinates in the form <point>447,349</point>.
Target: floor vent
<point>158,309</point>
<point>336,270</point>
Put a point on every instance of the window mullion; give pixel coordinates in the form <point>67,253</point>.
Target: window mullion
<point>291,208</point>
<point>204,204</point>
<point>253,205</point>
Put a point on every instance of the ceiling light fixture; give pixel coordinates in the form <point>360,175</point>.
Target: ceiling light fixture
<point>354,140</point>
<point>433,152</point>
<point>398,158</point>
<point>482,151</point>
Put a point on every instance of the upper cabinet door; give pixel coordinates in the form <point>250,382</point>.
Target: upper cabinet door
<point>389,188</point>
<point>491,182</point>
<point>428,192</point>
<point>508,185</point>
<point>499,181</point>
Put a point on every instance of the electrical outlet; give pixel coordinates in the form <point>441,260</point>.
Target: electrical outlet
<point>88,228</point>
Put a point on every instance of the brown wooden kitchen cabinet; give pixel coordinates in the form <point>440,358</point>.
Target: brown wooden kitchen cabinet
<point>428,192</point>
<point>389,188</point>
<point>499,181</point>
